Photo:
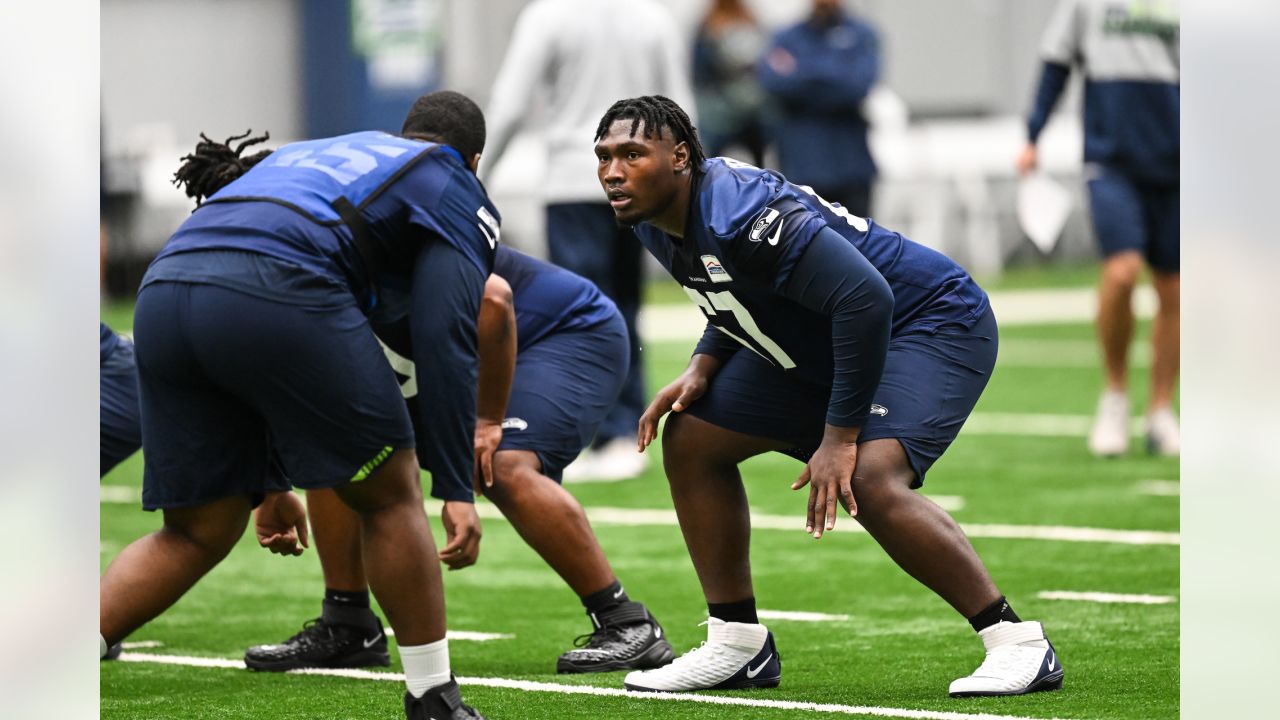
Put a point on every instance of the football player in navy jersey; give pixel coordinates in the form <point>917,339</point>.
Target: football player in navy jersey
<point>828,338</point>
<point>254,346</point>
<point>551,367</point>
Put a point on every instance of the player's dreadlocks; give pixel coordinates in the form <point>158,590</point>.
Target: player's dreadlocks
<point>655,112</point>
<point>214,165</point>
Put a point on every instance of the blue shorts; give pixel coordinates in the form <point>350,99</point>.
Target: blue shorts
<point>1129,215</point>
<point>119,427</point>
<point>231,382</point>
<point>931,382</point>
<point>563,388</point>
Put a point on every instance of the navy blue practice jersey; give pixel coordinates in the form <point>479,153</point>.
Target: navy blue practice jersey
<point>746,232</point>
<point>311,203</point>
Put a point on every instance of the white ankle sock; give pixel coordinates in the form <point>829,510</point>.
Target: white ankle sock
<point>425,666</point>
<point>103,647</point>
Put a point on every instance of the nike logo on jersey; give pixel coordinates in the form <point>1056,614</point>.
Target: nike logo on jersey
<point>752,673</point>
<point>773,239</point>
<point>369,643</point>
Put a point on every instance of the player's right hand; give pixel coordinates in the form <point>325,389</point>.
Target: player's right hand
<point>673,398</point>
<point>280,523</point>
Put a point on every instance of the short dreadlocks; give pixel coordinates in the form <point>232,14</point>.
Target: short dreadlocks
<point>655,112</point>
<point>214,165</point>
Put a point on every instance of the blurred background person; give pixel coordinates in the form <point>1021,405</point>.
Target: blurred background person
<point>730,100</point>
<point>1128,54</point>
<point>818,73</point>
<point>567,54</point>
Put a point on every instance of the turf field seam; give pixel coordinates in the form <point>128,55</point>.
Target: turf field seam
<point>535,686</point>
<point>600,515</point>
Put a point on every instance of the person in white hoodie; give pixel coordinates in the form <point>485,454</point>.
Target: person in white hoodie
<point>569,54</point>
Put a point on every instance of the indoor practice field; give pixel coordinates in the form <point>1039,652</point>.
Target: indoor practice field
<point>1088,546</point>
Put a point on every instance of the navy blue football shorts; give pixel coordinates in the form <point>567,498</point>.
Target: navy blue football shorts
<point>1128,215</point>
<point>232,382</point>
<point>563,388</point>
<point>119,427</point>
<point>931,382</point>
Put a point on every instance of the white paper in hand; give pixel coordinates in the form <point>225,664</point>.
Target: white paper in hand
<point>1043,207</point>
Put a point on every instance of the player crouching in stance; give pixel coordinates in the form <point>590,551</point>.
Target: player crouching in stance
<point>561,357</point>
<point>253,342</point>
<point>830,339</point>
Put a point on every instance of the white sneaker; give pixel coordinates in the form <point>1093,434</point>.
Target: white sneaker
<point>616,460</point>
<point>1163,436</point>
<point>735,656</point>
<point>1020,659</point>
<point>1110,434</point>
<point>582,468</point>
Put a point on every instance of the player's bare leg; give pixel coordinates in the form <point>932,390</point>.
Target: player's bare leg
<point>1163,436</point>
<point>336,534</point>
<point>554,524</point>
<point>1110,433</point>
<point>920,536</point>
<point>701,462</point>
<point>399,553</point>
<point>549,519</point>
<point>154,571</point>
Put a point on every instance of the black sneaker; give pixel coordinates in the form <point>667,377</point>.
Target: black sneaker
<point>324,644</point>
<point>442,702</point>
<point>626,637</point>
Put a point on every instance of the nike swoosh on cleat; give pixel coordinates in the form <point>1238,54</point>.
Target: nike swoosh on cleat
<point>752,673</point>
<point>369,643</point>
<point>618,594</point>
<point>657,633</point>
<point>1052,660</point>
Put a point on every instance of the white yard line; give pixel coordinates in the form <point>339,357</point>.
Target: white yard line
<point>641,517</point>
<point>532,686</point>
<point>683,321</point>
<point>1101,597</point>
<point>141,644</point>
<point>466,635</point>
<point>798,616</point>
<point>1160,488</point>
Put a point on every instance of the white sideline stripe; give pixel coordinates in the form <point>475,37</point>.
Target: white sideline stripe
<point>798,616</point>
<point>532,686</point>
<point>1040,424</point>
<point>465,635</point>
<point>141,644</point>
<point>122,494</point>
<point>1101,597</point>
<point>1161,488</point>
<point>683,321</point>
<point>639,518</point>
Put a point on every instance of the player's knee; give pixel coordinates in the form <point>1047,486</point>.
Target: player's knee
<point>1122,269</point>
<point>879,486</point>
<point>211,530</point>
<point>512,473</point>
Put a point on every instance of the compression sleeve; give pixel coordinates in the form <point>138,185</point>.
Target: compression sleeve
<point>834,279</point>
<point>447,288</point>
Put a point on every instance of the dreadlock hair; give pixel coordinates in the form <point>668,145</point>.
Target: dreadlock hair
<point>655,112</point>
<point>450,118</point>
<point>214,165</point>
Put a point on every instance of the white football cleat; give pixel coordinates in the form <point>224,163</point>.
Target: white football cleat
<point>1020,660</point>
<point>1110,434</point>
<point>735,656</point>
<point>614,461</point>
<point>1163,436</point>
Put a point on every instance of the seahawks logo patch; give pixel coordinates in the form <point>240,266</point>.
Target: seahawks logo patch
<point>515,424</point>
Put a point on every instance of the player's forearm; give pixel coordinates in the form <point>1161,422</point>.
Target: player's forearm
<point>496,335</point>
<point>704,365</point>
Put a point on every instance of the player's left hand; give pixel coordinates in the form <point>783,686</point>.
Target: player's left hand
<point>829,475</point>
<point>280,523</point>
<point>488,437</point>
<point>462,532</point>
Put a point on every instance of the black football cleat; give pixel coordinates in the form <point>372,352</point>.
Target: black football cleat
<point>626,637</point>
<point>324,644</point>
<point>442,702</point>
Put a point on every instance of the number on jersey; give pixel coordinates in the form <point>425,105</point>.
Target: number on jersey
<point>714,303</point>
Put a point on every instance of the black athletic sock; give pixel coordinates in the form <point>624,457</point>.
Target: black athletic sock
<point>347,598</point>
<point>997,611</point>
<point>742,611</point>
<point>601,600</point>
